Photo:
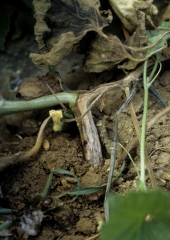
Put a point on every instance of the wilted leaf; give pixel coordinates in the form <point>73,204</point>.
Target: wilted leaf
<point>128,12</point>
<point>61,24</point>
<point>138,216</point>
<point>106,53</point>
<point>138,39</point>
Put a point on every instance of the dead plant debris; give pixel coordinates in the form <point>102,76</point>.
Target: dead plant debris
<point>112,66</point>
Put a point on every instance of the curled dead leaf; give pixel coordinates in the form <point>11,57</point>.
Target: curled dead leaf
<point>108,52</point>
<point>128,13</point>
<point>105,54</point>
<point>61,24</point>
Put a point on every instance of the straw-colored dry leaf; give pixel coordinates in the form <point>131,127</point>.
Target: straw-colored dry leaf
<point>127,11</point>
<point>61,24</point>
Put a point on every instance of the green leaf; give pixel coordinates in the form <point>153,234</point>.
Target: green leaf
<point>4,27</point>
<point>86,190</point>
<point>164,24</point>
<point>138,216</point>
<point>154,35</point>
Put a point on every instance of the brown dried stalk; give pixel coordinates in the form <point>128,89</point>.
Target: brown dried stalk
<point>87,128</point>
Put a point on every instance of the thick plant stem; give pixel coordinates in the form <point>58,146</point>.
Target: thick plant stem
<point>10,107</point>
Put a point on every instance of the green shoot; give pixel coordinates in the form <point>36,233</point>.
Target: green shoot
<point>147,82</point>
<point>76,191</point>
<point>60,171</point>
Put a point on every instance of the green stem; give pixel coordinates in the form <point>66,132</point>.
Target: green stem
<point>143,131</point>
<point>147,82</point>
<point>51,68</point>
<point>10,107</point>
<point>154,69</point>
<point>153,79</point>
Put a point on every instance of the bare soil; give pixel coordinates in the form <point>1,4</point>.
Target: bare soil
<point>80,219</point>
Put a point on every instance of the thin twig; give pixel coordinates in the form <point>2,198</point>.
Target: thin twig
<point>62,105</point>
<point>112,167</point>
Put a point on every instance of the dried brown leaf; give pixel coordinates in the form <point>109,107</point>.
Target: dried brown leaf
<point>105,54</point>
<point>138,39</point>
<point>108,52</point>
<point>61,24</point>
<point>37,86</point>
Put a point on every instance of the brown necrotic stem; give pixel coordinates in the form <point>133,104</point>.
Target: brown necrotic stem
<point>84,118</point>
<point>88,132</point>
